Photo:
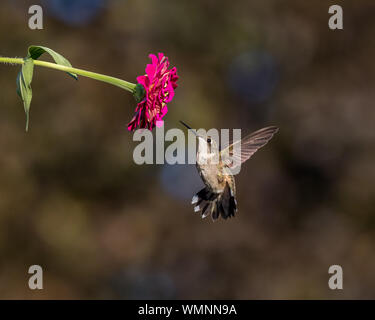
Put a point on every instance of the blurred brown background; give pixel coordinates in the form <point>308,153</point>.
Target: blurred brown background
<point>73,201</point>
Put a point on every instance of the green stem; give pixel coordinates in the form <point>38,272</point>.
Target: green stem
<point>93,75</point>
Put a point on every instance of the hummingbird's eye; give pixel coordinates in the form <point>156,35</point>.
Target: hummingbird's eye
<point>209,140</point>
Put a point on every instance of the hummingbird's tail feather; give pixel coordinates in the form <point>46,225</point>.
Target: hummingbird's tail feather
<point>215,204</point>
<point>227,203</point>
<point>203,201</point>
<point>204,195</point>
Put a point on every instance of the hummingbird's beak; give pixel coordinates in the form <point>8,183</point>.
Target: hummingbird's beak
<point>189,128</point>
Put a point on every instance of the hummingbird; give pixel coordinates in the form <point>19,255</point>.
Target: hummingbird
<point>218,197</point>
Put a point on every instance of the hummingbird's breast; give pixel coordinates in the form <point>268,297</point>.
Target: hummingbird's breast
<point>215,177</point>
<point>213,171</point>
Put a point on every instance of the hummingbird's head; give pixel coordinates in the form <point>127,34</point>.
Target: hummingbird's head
<point>207,142</point>
<point>207,146</point>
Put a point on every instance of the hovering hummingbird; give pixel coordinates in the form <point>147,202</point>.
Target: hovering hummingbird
<point>219,195</point>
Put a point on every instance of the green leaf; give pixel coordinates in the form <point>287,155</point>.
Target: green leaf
<point>139,93</point>
<point>36,51</point>
<point>24,79</point>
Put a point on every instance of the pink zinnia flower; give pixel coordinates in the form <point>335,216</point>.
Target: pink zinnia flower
<point>158,84</point>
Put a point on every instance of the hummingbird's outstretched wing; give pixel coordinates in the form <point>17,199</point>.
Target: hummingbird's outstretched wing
<point>249,145</point>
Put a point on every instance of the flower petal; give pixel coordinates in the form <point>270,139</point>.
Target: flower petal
<point>159,84</point>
